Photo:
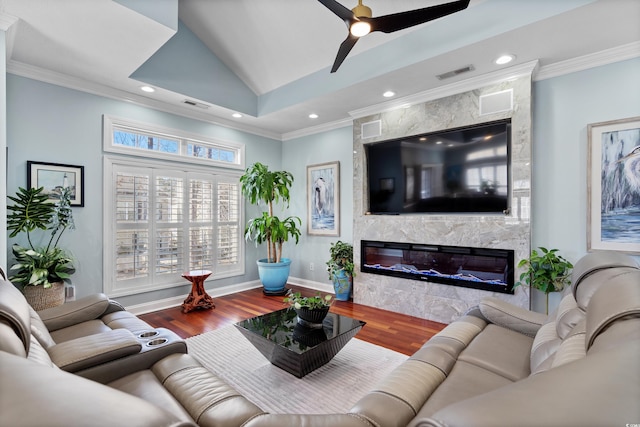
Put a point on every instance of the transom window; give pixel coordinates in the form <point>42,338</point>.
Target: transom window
<point>129,137</point>
<point>164,218</point>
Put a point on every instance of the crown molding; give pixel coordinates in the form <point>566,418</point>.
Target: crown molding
<point>76,83</point>
<point>325,127</point>
<point>6,21</point>
<point>609,56</point>
<point>451,89</point>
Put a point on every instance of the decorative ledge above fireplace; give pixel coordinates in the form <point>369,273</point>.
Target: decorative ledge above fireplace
<point>478,268</point>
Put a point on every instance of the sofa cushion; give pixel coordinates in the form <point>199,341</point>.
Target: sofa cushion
<point>549,338</point>
<point>87,308</point>
<point>512,317</point>
<point>39,355</point>
<point>207,398</point>
<point>90,327</point>
<point>125,320</point>
<point>145,384</point>
<point>39,330</point>
<point>501,351</point>
<point>618,300</point>
<point>466,380</point>
<point>597,261</point>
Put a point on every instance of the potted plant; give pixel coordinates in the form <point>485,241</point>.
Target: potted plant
<point>41,270</point>
<point>262,186</point>
<point>311,310</point>
<point>546,271</point>
<point>341,269</point>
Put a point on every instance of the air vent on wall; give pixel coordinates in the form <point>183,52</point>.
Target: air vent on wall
<point>371,129</point>
<point>454,73</point>
<point>195,104</point>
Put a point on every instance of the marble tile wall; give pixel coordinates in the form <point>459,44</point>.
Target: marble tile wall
<point>433,301</point>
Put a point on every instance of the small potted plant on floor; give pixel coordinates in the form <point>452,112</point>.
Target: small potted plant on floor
<point>311,310</point>
<point>546,271</point>
<point>341,269</point>
<point>262,186</point>
<point>41,270</point>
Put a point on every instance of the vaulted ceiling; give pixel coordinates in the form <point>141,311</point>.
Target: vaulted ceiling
<point>270,60</point>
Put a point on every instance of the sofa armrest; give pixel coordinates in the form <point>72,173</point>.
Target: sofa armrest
<point>511,317</point>
<point>88,308</point>
<point>91,350</point>
<point>171,343</point>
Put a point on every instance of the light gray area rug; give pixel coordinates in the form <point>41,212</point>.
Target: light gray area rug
<point>332,388</point>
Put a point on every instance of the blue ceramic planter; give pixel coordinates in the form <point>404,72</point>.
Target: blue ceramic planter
<point>274,275</point>
<point>342,283</point>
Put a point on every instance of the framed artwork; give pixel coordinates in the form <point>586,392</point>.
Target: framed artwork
<point>54,177</point>
<point>323,199</point>
<point>614,186</point>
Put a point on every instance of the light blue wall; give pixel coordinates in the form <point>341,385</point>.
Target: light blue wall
<point>563,107</point>
<point>297,154</point>
<point>53,124</point>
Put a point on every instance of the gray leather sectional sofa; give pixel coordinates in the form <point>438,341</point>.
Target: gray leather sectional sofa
<point>498,365</point>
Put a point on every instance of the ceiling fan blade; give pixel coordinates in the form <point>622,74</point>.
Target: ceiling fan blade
<point>342,12</point>
<point>344,50</point>
<point>402,20</point>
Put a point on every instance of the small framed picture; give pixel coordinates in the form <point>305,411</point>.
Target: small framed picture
<point>323,199</point>
<point>614,186</point>
<point>54,177</point>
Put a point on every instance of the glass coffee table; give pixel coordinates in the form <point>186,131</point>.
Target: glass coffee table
<point>294,347</point>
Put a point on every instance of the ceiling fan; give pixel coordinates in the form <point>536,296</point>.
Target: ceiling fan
<point>360,22</point>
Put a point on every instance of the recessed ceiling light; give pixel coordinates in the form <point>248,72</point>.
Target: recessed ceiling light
<point>438,142</point>
<point>147,89</point>
<point>505,59</point>
<point>313,116</point>
<point>389,94</point>
<point>237,115</point>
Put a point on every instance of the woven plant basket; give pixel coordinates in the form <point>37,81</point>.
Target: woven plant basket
<point>40,298</point>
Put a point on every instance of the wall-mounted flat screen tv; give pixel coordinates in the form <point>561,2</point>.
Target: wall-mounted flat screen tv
<point>463,170</point>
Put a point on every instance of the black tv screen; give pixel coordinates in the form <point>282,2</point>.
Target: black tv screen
<point>463,170</point>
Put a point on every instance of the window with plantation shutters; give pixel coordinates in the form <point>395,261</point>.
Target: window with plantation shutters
<point>163,218</point>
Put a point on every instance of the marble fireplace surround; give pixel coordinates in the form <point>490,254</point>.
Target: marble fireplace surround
<point>434,301</point>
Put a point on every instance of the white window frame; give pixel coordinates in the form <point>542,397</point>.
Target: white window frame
<point>188,167</point>
<point>111,123</point>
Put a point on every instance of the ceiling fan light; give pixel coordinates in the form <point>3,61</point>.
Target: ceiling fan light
<point>360,28</point>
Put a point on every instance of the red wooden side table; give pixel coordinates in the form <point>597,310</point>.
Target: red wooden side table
<point>198,298</point>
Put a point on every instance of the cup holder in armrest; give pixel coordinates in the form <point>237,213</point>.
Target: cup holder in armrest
<point>158,341</point>
<point>148,334</point>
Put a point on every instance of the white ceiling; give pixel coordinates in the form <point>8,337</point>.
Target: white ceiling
<point>283,49</point>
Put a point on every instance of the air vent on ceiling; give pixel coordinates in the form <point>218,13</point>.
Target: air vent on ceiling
<point>371,129</point>
<point>195,104</point>
<point>455,72</point>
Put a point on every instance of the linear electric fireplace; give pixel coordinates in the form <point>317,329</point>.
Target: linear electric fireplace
<point>478,268</point>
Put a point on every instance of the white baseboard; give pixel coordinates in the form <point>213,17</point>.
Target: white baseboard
<point>165,303</point>
<point>318,286</point>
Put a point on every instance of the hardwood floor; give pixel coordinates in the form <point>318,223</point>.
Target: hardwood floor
<point>398,332</point>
